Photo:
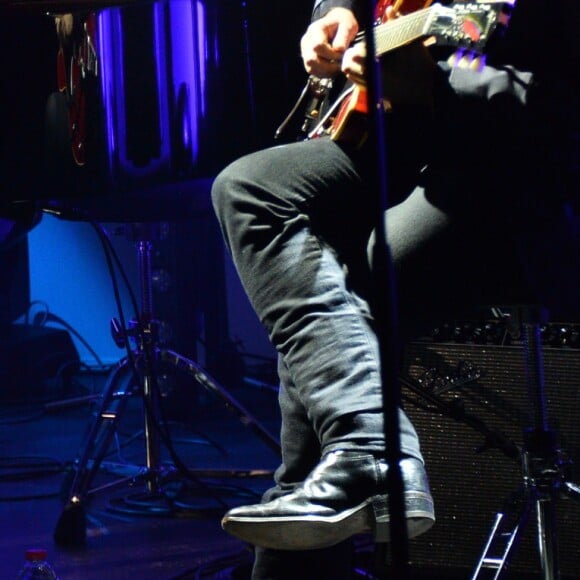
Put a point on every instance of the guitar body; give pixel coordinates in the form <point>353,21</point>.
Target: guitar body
<point>350,123</point>
<point>75,66</point>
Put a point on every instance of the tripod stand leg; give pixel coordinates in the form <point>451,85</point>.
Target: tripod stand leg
<point>501,543</point>
<point>70,526</point>
<point>571,490</point>
<point>541,458</point>
<point>207,381</point>
<point>151,437</point>
<point>547,539</point>
<point>545,468</point>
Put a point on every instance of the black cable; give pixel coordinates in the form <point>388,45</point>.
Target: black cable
<point>34,303</point>
<point>27,467</point>
<point>50,317</point>
<point>110,255</point>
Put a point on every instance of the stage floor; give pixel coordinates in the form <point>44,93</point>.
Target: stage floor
<point>131,532</point>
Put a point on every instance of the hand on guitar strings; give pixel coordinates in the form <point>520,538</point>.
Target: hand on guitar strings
<point>406,73</point>
<point>327,49</point>
<point>325,41</point>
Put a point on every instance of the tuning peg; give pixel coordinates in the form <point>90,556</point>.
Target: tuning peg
<point>468,59</point>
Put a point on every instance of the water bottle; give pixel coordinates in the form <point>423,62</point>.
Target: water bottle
<point>36,566</point>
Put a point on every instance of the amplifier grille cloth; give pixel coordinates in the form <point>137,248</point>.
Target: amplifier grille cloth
<point>469,488</point>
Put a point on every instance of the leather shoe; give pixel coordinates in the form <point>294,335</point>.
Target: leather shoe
<point>344,495</point>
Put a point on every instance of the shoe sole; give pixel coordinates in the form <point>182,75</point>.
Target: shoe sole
<point>311,532</point>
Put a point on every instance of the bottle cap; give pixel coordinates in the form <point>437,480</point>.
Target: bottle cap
<point>35,554</point>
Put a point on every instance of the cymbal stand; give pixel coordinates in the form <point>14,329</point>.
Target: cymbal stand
<point>544,471</point>
<point>142,362</point>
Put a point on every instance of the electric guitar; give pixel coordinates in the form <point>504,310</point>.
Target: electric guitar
<point>77,63</point>
<point>466,26</point>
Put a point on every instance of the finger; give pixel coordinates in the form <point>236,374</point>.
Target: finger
<point>316,43</point>
<point>322,68</point>
<point>359,79</point>
<point>320,65</point>
<point>318,56</point>
<point>355,69</point>
<point>354,61</point>
<point>341,40</point>
<point>343,35</point>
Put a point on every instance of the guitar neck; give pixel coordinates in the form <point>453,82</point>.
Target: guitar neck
<point>396,33</point>
<point>464,25</point>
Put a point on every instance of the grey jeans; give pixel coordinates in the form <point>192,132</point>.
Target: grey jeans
<point>297,220</point>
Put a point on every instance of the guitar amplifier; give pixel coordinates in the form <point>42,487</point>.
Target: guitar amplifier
<point>472,481</point>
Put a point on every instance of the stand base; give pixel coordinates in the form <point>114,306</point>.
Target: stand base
<point>71,528</point>
<point>167,490</point>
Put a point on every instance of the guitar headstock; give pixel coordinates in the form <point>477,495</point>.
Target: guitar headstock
<point>471,25</point>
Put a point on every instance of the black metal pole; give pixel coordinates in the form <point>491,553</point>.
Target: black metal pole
<point>384,304</point>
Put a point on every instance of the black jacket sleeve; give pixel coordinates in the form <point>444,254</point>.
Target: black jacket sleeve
<point>322,7</point>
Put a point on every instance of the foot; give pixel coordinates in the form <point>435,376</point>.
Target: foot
<point>343,496</point>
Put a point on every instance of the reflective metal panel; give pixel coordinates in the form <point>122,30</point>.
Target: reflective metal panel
<point>141,99</point>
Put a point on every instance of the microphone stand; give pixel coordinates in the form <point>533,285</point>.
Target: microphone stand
<point>384,306</point>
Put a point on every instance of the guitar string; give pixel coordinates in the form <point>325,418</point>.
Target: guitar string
<point>410,20</point>
<point>389,36</point>
<point>391,33</point>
